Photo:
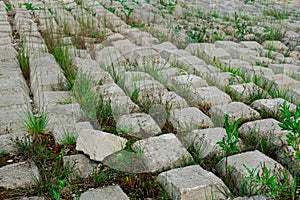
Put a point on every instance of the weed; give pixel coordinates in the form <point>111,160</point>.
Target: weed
<point>229,143</point>
<point>266,182</point>
<point>69,139</point>
<point>84,95</point>
<point>30,7</point>
<point>135,94</point>
<point>35,123</point>
<point>9,7</point>
<point>24,63</point>
<point>292,124</point>
<point>2,152</point>
<point>127,12</point>
<point>63,58</point>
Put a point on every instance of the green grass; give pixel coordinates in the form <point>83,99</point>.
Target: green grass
<point>263,181</point>
<point>35,123</point>
<point>64,59</point>
<point>24,63</point>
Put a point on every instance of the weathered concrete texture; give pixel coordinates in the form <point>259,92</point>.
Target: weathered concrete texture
<point>109,56</point>
<point>170,101</point>
<point>284,68</point>
<point>60,132</point>
<point>189,81</point>
<point>139,125</point>
<point>207,52</point>
<point>98,144</point>
<point>255,72</point>
<point>109,193</point>
<point>191,183</point>
<point>266,128</point>
<point>80,164</point>
<point>48,99</point>
<point>14,101</point>
<point>233,64</point>
<point>247,92</point>
<point>65,114</point>
<point>11,120</point>
<point>271,107</point>
<point>252,160</point>
<point>280,82</point>
<point>204,141</point>
<point>162,152</point>
<point>121,105</point>
<point>252,45</point>
<point>18,175</point>
<point>188,119</point>
<point>235,110</point>
<point>8,144</point>
<point>274,44</point>
<point>206,97</point>
<point>222,79</point>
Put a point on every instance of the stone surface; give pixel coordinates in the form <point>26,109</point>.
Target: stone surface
<point>204,141</point>
<point>191,183</point>
<point>139,125</point>
<point>7,142</point>
<point>83,167</point>
<point>222,79</point>
<point>60,132</point>
<point>18,175</point>
<point>265,128</point>
<point>271,107</point>
<point>235,110</point>
<point>98,144</point>
<point>162,152</point>
<point>247,92</point>
<point>109,193</point>
<point>189,81</point>
<point>206,97</point>
<point>284,68</point>
<point>190,118</point>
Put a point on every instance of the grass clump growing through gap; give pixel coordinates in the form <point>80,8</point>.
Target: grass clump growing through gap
<point>64,59</point>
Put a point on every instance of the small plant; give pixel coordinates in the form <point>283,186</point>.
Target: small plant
<point>292,124</point>
<point>2,152</point>
<point>30,7</point>
<point>63,57</point>
<point>9,7</point>
<point>24,63</point>
<point>229,143</point>
<point>265,182</point>
<point>35,123</point>
<point>69,140</point>
<point>135,94</point>
<point>127,12</point>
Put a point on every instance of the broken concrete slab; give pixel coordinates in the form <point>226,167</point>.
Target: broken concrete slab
<point>98,144</point>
